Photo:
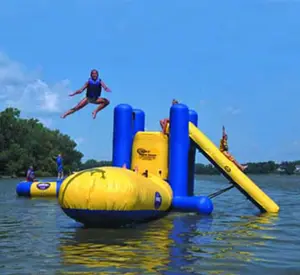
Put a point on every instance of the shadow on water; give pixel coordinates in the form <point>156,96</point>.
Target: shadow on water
<point>177,244</point>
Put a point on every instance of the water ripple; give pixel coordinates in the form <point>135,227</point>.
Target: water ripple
<point>37,238</point>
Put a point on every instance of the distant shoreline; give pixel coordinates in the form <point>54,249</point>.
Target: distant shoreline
<point>202,174</point>
<point>16,160</point>
<point>254,174</point>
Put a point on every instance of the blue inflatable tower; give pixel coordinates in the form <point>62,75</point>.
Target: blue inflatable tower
<point>127,122</point>
<point>182,162</point>
<point>182,150</point>
<point>192,156</point>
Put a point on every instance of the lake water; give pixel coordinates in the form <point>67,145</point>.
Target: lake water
<point>36,237</point>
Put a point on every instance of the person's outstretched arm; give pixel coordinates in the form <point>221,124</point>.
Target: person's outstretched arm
<point>105,87</point>
<point>79,91</point>
<point>223,131</point>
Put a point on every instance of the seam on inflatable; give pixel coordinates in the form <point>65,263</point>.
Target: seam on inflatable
<point>90,192</point>
<point>69,183</point>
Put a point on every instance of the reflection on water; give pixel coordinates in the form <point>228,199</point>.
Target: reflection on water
<point>145,248</point>
<point>36,237</point>
<point>179,242</point>
<point>231,248</point>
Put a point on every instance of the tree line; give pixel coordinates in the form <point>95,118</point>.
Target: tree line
<point>26,142</point>
<point>267,167</point>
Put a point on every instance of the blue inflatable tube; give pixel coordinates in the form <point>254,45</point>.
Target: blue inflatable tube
<point>179,144</point>
<point>122,135</point>
<point>38,188</point>
<point>192,156</point>
<point>200,204</point>
<point>138,121</point>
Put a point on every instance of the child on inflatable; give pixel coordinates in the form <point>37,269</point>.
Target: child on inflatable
<point>164,122</point>
<point>30,176</point>
<point>224,149</point>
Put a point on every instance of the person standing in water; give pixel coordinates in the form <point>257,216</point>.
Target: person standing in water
<point>225,150</point>
<point>93,89</point>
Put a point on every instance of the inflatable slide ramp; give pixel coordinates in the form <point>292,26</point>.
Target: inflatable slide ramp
<point>231,172</point>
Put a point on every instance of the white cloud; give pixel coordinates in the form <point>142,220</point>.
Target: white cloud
<point>47,122</point>
<point>25,90</point>
<point>79,140</point>
<point>233,110</point>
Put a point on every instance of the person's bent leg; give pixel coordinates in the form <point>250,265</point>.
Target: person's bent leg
<point>163,124</point>
<point>79,106</point>
<point>103,102</point>
<point>241,167</point>
<point>60,173</point>
<point>231,158</point>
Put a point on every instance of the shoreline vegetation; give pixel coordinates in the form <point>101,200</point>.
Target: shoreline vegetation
<point>256,168</point>
<point>25,142</point>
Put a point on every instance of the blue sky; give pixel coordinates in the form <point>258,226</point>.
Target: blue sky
<point>237,63</point>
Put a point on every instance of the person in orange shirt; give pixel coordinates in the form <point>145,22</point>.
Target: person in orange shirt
<point>224,149</point>
<point>164,122</point>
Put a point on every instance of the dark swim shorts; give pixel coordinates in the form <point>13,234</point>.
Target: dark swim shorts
<point>92,99</point>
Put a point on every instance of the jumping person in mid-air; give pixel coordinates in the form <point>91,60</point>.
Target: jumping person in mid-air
<point>224,149</point>
<point>93,92</point>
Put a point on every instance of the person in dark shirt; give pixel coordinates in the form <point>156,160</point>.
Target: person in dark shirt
<point>60,167</point>
<point>93,95</point>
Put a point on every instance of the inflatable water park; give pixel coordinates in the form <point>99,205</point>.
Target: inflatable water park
<point>152,173</point>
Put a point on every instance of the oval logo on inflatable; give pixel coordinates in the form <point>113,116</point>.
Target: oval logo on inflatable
<point>157,200</point>
<point>43,185</point>
<point>142,151</point>
<point>227,169</point>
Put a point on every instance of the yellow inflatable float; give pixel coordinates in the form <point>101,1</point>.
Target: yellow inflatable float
<point>113,196</point>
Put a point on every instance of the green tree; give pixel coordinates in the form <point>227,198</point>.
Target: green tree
<point>92,163</point>
<point>25,142</point>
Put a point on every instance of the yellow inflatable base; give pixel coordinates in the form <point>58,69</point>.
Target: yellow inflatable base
<point>112,196</point>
